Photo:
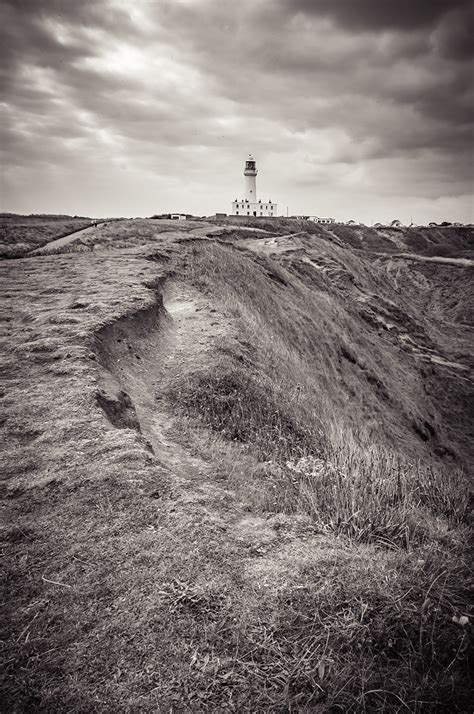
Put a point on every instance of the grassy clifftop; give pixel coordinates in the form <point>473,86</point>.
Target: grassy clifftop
<point>453,241</point>
<point>237,471</point>
<point>19,235</point>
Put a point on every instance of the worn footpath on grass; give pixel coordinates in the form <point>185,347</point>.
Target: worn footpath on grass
<point>20,235</point>
<point>65,240</point>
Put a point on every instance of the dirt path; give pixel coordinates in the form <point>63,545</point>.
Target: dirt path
<point>441,260</point>
<point>149,553</point>
<point>65,240</point>
<point>189,331</point>
<point>165,353</point>
<point>145,355</point>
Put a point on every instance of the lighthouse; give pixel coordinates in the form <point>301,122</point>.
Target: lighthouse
<point>250,205</point>
<point>250,173</point>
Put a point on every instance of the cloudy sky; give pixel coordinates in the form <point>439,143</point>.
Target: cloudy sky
<point>353,108</point>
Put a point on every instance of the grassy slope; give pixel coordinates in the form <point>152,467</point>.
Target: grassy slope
<point>21,234</point>
<point>237,589</point>
<point>456,241</point>
<point>364,335</point>
<point>114,235</point>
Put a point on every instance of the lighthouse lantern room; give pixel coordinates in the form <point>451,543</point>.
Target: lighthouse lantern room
<point>250,205</point>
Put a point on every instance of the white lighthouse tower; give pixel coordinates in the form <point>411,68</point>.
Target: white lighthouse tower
<point>249,205</point>
<point>250,173</point>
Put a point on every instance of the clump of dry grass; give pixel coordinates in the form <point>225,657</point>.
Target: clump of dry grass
<point>352,647</point>
<point>242,407</point>
<point>357,629</point>
<point>372,494</point>
<point>362,490</point>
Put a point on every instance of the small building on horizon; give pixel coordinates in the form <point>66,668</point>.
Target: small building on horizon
<point>316,219</point>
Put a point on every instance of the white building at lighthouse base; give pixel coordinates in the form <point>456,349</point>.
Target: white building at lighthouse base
<point>259,208</point>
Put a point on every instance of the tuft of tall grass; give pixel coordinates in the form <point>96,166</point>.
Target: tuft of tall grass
<point>351,486</point>
<point>372,494</point>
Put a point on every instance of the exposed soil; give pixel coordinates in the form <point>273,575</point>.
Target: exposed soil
<point>143,355</point>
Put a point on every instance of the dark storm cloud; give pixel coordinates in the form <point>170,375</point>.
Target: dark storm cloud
<point>158,84</point>
<point>454,36</point>
<point>406,72</point>
<point>378,14</point>
<point>25,37</point>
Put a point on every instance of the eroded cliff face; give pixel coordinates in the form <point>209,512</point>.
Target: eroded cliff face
<point>384,336</point>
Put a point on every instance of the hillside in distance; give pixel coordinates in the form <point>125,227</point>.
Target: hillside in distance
<point>19,235</point>
<point>237,468</point>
